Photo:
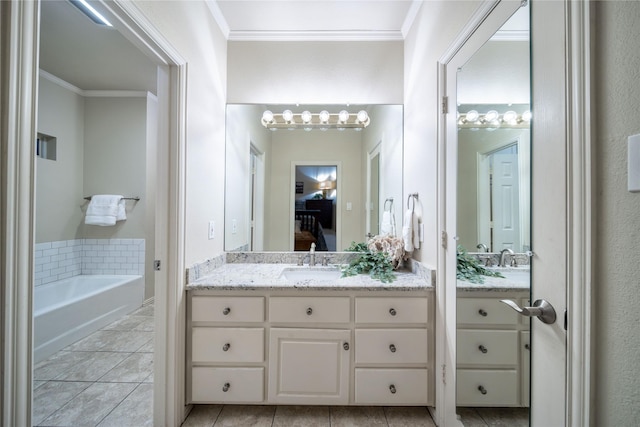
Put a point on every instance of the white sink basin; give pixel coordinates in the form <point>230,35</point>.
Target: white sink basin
<point>311,273</point>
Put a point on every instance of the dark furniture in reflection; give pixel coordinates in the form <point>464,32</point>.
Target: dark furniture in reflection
<point>310,231</point>
<point>325,209</point>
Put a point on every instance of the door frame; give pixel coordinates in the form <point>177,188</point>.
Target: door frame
<point>579,223</point>
<point>19,33</point>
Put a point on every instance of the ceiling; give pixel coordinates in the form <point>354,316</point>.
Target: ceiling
<point>93,57</point>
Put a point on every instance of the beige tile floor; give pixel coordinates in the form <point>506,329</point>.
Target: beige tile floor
<point>494,417</point>
<point>105,379</point>
<point>307,416</point>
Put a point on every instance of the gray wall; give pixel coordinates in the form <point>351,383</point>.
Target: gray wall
<point>617,214</point>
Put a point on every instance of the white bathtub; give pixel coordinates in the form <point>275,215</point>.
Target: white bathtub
<point>70,309</point>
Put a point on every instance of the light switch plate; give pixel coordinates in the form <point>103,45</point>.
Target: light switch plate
<point>212,230</point>
<point>633,164</point>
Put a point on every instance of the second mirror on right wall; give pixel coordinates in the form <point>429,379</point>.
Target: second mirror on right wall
<point>493,225</point>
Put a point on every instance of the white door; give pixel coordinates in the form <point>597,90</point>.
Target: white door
<point>505,198</point>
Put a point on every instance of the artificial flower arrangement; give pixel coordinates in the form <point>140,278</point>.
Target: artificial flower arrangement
<point>379,257</point>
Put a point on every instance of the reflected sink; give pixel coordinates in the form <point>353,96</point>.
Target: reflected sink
<point>311,273</point>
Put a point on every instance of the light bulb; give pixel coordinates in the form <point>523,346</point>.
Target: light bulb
<point>306,117</point>
<point>526,116</point>
<point>287,115</point>
<point>324,116</point>
<point>267,117</point>
<point>472,116</point>
<point>510,116</point>
<point>362,116</point>
<point>492,115</point>
<point>343,116</point>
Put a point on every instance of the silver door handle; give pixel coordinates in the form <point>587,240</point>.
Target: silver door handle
<point>541,309</point>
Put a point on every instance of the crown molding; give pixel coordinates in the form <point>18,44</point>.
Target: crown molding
<point>510,35</point>
<point>218,17</point>
<point>315,36</point>
<point>411,17</point>
<point>92,93</point>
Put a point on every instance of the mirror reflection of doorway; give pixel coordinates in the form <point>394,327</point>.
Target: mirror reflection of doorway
<point>373,207</point>
<point>316,194</point>
<point>499,211</point>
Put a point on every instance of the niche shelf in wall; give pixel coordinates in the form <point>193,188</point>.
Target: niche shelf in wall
<point>46,146</point>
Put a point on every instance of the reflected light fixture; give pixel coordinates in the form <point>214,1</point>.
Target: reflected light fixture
<point>492,119</point>
<point>88,10</point>
<point>308,121</point>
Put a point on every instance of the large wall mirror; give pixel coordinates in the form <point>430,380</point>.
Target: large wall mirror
<point>340,176</point>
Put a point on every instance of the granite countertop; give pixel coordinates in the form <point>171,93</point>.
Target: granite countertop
<point>262,276</point>
<point>516,279</point>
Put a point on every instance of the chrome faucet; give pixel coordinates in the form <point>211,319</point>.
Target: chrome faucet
<point>482,247</point>
<point>312,255</point>
<point>503,255</point>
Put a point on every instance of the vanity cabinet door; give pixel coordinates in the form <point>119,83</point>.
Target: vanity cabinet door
<point>309,310</point>
<point>392,310</point>
<point>391,346</point>
<point>227,309</point>
<point>391,386</point>
<point>213,384</point>
<point>309,366</point>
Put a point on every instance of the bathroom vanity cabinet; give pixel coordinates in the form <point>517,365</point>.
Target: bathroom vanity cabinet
<point>311,347</point>
<point>492,349</point>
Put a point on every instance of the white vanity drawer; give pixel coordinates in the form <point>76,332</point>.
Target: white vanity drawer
<point>227,309</point>
<point>309,309</point>
<point>392,386</point>
<point>391,346</point>
<point>480,387</point>
<point>238,345</point>
<point>487,347</point>
<point>392,310</point>
<point>211,385</point>
<point>485,311</point>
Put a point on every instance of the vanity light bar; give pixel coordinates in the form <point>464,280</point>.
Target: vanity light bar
<point>309,121</point>
<point>492,119</point>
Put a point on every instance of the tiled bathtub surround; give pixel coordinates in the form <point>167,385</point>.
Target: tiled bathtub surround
<point>68,258</point>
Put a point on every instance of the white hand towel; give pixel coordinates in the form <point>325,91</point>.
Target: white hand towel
<point>407,231</point>
<point>103,210</point>
<point>122,210</point>
<point>386,226</point>
<point>415,226</point>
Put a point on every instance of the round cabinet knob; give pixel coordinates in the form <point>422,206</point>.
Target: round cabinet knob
<point>482,313</point>
<point>226,347</point>
<point>226,311</point>
<point>482,389</point>
<point>392,311</point>
<point>392,389</point>
<point>482,348</point>
<point>392,348</point>
<point>345,346</point>
<point>309,311</point>
<point>226,387</point>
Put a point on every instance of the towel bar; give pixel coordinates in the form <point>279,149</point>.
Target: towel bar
<point>126,198</point>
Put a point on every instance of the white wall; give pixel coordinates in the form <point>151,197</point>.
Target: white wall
<point>617,282</point>
<point>190,28</point>
<point>328,148</point>
<point>115,160</point>
<point>243,130</point>
<point>315,72</point>
<point>497,74</point>
<point>386,129</point>
<point>434,29</point>
<point>59,182</point>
